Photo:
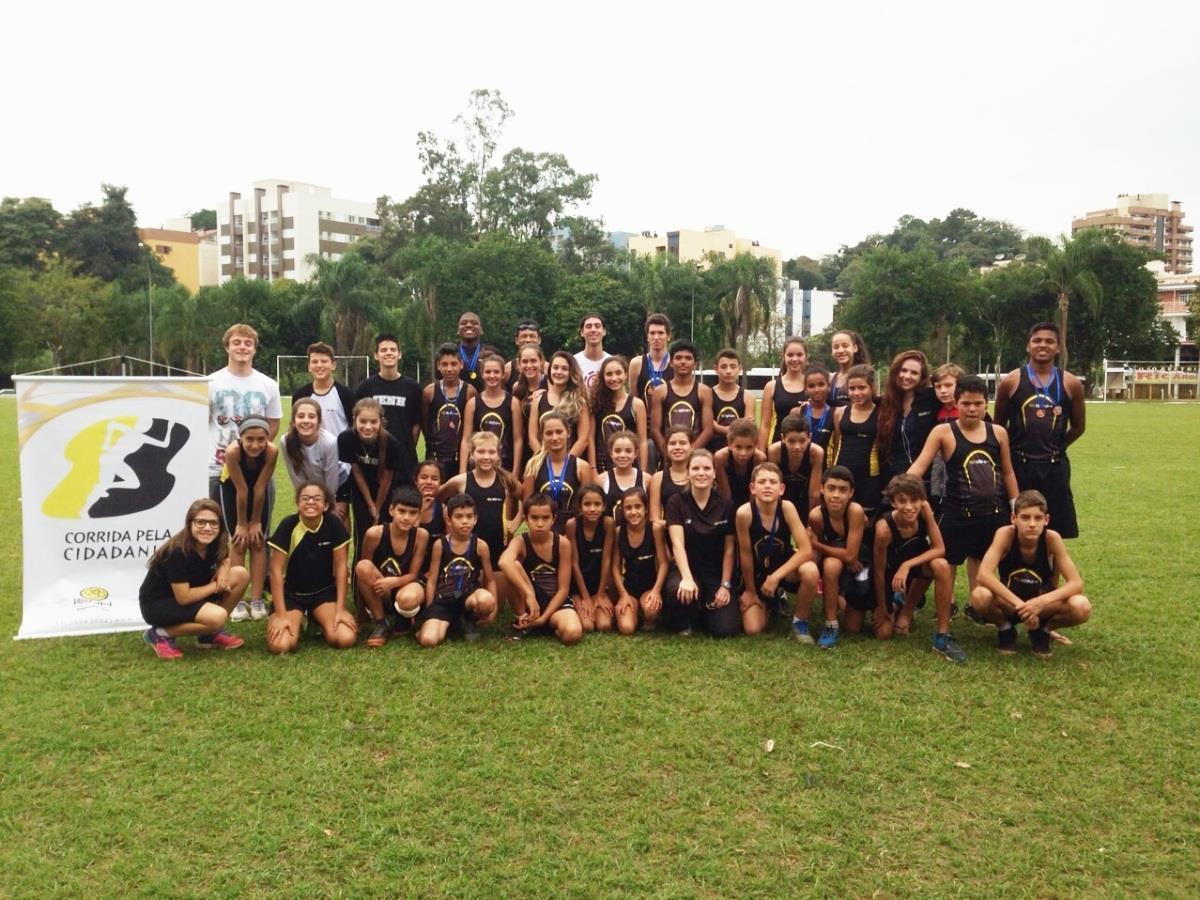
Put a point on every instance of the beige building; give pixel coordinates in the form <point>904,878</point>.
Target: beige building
<point>279,225</point>
<point>1147,220</point>
<point>191,255</point>
<point>687,245</point>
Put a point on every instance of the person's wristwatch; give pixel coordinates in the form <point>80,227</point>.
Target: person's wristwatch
<point>728,585</point>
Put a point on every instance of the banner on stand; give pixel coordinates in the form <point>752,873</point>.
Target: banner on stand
<point>109,467</point>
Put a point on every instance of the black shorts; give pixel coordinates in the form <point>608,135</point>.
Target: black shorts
<point>306,602</point>
<point>226,498</point>
<point>443,610</point>
<point>1053,479</point>
<point>167,611</point>
<point>921,572</point>
<point>858,591</point>
<point>774,604</point>
<point>968,538</point>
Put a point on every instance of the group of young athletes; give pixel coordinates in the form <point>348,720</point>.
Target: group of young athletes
<point>588,493</point>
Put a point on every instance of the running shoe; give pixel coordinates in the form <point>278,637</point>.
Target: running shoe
<point>829,637</point>
<point>1006,641</point>
<point>1039,640</point>
<point>948,647</point>
<point>164,646</point>
<point>379,634</point>
<point>801,633</point>
<point>258,610</point>
<point>241,612</point>
<point>221,640</point>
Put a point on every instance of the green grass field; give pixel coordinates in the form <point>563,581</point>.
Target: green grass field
<point>638,765</point>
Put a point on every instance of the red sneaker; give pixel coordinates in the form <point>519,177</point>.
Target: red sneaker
<point>164,647</point>
<point>222,640</point>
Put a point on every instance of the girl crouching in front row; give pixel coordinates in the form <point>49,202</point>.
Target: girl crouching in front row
<point>308,574</point>
<point>192,585</point>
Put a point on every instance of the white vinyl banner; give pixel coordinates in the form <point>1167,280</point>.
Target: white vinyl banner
<point>109,467</point>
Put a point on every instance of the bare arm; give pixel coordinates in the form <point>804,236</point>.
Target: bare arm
<point>656,422</point>
<point>706,417</point>
<point>1006,467</point>
<point>518,431</point>
<point>464,446</point>
<point>639,420</point>
<point>1004,392</point>
<point>815,474</point>
<point>765,412</point>
<point>584,433</point>
<point>933,446</point>
<point>456,485</point>
<point>1078,423</point>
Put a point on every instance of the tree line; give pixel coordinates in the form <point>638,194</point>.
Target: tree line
<point>502,235</point>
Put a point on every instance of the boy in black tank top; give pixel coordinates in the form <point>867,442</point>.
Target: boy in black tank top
<point>735,463</point>
<point>460,583</point>
<point>838,526</point>
<point>909,553</point>
<point>682,401</point>
<point>442,405</point>
<point>1028,576</point>
<point>730,401</point>
<point>979,476</point>
<point>801,461</point>
<point>388,572</point>
<point>538,566</point>
<point>774,551</point>
<point>1043,408</point>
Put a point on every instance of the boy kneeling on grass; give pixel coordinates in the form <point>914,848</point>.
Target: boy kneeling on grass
<point>909,554</point>
<point>1028,576</point>
<point>460,584</point>
<point>837,527</point>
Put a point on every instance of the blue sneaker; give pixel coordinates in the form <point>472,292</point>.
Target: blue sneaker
<point>800,632</point>
<point>828,638</point>
<point>948,647</point>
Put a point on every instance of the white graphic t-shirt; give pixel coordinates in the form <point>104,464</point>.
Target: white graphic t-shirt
<point>232,398</point>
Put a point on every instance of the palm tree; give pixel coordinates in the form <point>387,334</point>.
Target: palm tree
<point>747,288</point>
<point>352,293</point>
<point>424,266</point>
<point>1068,275</point>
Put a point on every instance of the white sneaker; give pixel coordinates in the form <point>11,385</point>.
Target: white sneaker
<point>241,612</point>
<point>258,610</point>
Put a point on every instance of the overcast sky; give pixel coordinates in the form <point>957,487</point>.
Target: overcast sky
<point>803,128</point>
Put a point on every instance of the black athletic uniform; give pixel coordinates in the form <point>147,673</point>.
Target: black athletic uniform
<point>543,573</point>
<point>726,412</point>
<point>156,599</point>
<point>613,494</point>
<point>392,562</point>
<point>771,547</point>
<point>489,507</point>
<point>308,576</point>
<point>739,482</point>
<point>705,530</point>
<point>443,428</point>
<point>354,450</point>
<point>610,423</point>
<point>252,468</point>
<point>856,588</point>
<point>820,427</point>
<point>460,575</point>
<point>650,377</point>
<point>668,489</point>
<point>591,554</point>
<point>498,421</point>
<point>784,402</point>
<point>436,526</point>
<point>1038,418</point>
<point>796,481</point>
<point>682,409</point>
<point>400,399</point>
<point>1028,578</point>
<point>544,406</point>
<point>561,483</point>
<point>901,549</point>
<point>639,565</point>
<point>974,504</point>
<point>909,433</point>
<point>859,452</point>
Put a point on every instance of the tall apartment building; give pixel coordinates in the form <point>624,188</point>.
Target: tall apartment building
<point>271,232</point>
<point>1150,221</point>
<point>689,245</point>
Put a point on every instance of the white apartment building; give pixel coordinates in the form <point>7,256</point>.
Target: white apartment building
<point>690,245</point>
<point>271,231</point>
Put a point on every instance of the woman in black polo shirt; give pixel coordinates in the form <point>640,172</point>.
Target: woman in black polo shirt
<point>699,593</point>
<point>308,573</point>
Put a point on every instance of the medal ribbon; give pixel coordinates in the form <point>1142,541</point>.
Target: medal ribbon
<point>555,482</point>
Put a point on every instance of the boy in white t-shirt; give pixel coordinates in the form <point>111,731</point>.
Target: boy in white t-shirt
<point>593,355</point>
